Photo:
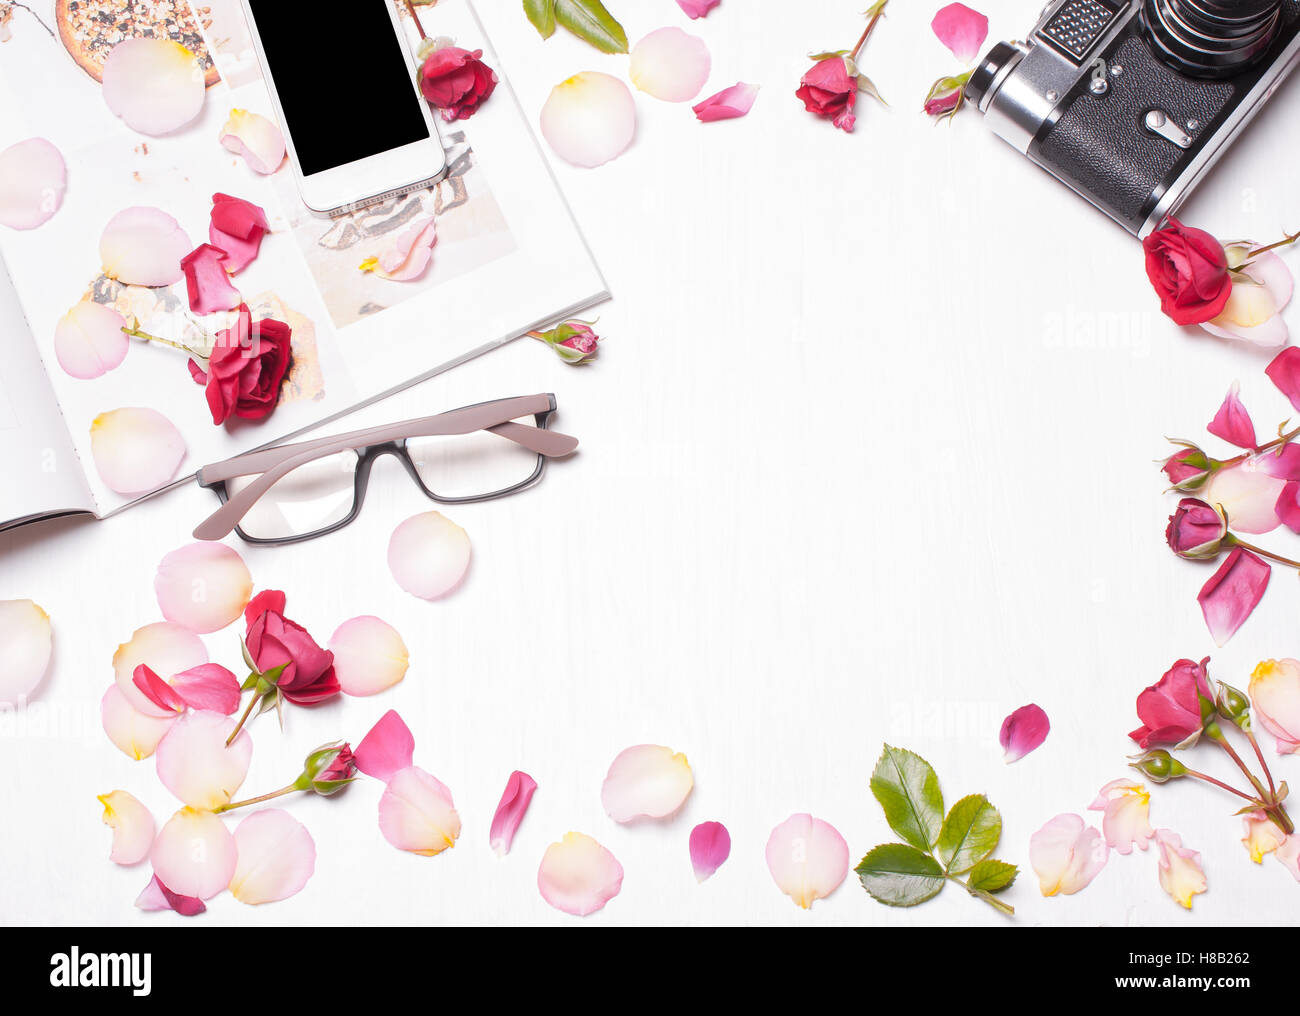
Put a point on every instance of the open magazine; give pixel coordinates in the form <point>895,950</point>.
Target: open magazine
<point>508,258</point>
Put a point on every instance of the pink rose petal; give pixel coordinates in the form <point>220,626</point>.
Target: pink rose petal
<point>727,104</point>
<point>807,857</point>
<point>155,85</point>
<point>209,686</point>
<point>1066,854</point>
<point>387,749</point>
<point>89,341</point>
<point>1263,835</point>
<point>254,137</point>
<point>1247,493</point>
<point>1023,731</point>
<point>646,781</point>
<point>1284,371</point>
<point>1124,805</point>
<point>26,644</point>
<point>710,845</point>
<point>1181,874</point>
<point>143,246</point>
<point>1252,312</point>
<point>589,119</point>
<point>408,254</point>
<point>157,896</point>
<point>203,586</point>
<point>194,854</point>
<point>670,64</point>
<point>33,178</point>
<point>1281,464</point>
<point>1232,592</point>
<point>428,555</point>
<point>369,656</point>
<point>135,734</point>
<point>578,876</point>
<point>1232,422</point>
<point>207,283</point>
<point>196,766</point>
<point>697,8</point>
<point>157,691</point>
<point>1287,506</point>
<point>132,824</point>
<point>416,813</point>
<point>510,811</point>
<point>136,450</point>
<point>1275,693</point>
<point>962,30</point>
<point>237,227</point>
<point>276,857</point>
<point>166,649</point>
<point>1289,856</point>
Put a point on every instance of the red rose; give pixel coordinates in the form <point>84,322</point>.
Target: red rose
<point>1189,271</point>
<point>248,363</point>
<point>1170,710</point>
<point>456,81</point>
<point>273,640</point>
<point>829,91</point>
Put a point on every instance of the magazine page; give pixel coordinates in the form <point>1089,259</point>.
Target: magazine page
<point>507,258</point>
<point>43,476</point>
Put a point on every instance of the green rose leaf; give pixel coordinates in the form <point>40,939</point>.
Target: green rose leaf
<point>908,789</point>
<point>899,875</point>
<point>992,876</point>
<point>589,21</point>
<point>969,834</point>
<point>541,13</point>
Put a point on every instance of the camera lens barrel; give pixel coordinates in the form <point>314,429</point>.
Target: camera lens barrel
<point>1211,38</point>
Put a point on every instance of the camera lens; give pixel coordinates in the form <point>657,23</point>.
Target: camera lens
<point>1211,38</point>
<point>991,66</point>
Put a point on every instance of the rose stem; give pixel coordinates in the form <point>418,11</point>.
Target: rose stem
<point>1286,438</point>
<point>242,720</point>
<point>138,334</point>
<point>1236,542</point>
<point>1250,736</point>
<point>1222,742</point>
<point>1285,241</point>
<point>416,18</point>
<point>862,40</point>
<point>258,800</point>
<point>1219,783</point>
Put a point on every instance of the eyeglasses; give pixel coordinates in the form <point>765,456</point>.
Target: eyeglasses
<point>300,491</point>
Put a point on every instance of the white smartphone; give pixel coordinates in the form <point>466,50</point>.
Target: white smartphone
<point>355,125</point>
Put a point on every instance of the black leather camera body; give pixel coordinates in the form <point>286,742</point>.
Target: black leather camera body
<point>1130,102</point>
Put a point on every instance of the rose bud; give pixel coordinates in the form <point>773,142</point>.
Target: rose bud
<point>1196,531</point>
<point>1233,706</point>
<point>328,769</point>
<point>574,341</point>
<point>1176,708</point>
<point>1189,272</point>
<point>1158,766</point>
<point>1189,469</point>
<point>946,96</point>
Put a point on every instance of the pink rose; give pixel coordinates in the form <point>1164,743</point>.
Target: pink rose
<point>456,81</point>
<point>246,367</point>
<point>1189,271</point>
<point>1170,710</point>
<point>830,92</point>
<point>273,640</point>
<point>1196,530</point>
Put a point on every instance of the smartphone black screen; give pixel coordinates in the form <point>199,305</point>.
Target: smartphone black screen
<point>343,77</point>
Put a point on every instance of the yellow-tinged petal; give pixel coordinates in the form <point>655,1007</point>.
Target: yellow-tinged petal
<point>132,824</point>
<point>26,642</point>
<point>646,781</point>
<point>1181,875</point>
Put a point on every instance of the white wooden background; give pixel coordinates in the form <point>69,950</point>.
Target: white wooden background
<point>868,455</point>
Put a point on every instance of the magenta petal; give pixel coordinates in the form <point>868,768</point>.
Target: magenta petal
<point>962,30</point>
<point>387,749</point>
<point>1023,731</point>
<point>1232,593</point>
<point>157,896</point>
<point>1283,465</point>
<point>726,104</point>
<point>206,281</point>
<point>1232,422</point>
<point>208,686</point>
<point>1284,371</point>
<point>1287,507</point>
<point>710,846</point>
<point>510,811</point>
<point>156,690</point>
<point>697,8</point>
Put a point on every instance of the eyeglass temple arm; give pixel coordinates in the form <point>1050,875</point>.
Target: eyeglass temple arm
<point>219,524</point>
